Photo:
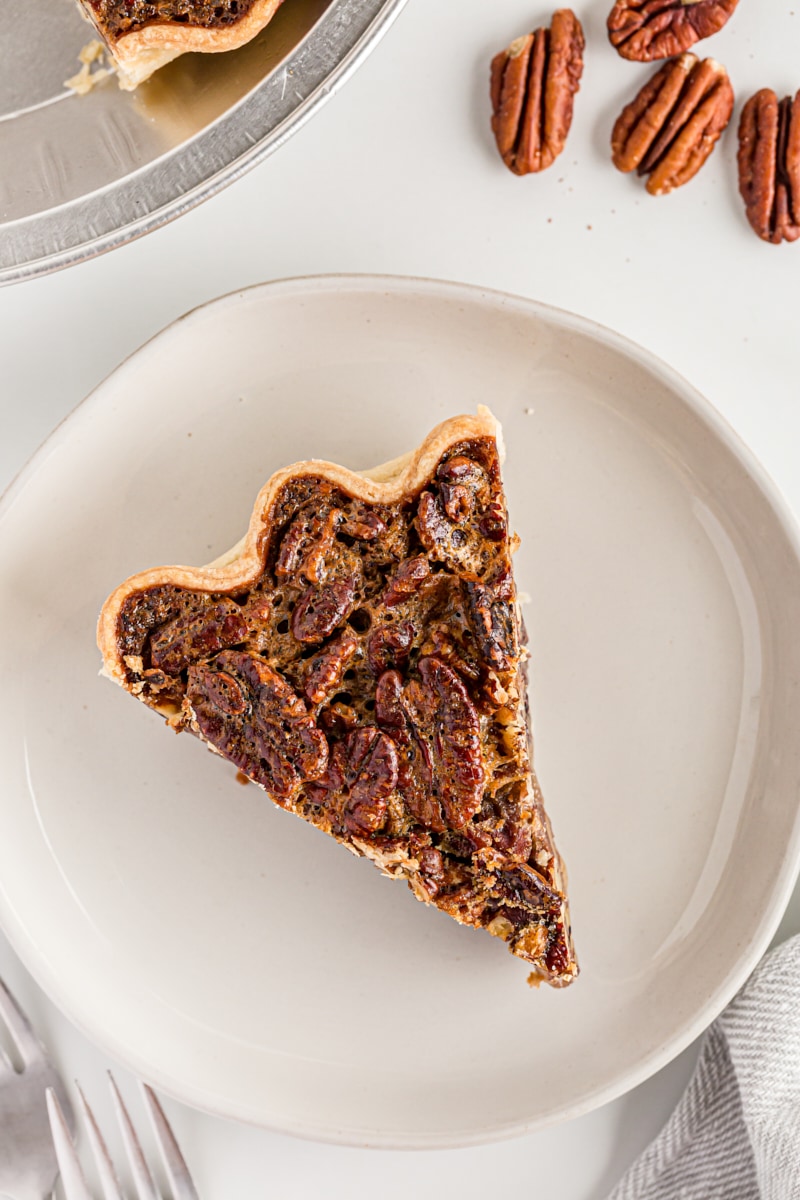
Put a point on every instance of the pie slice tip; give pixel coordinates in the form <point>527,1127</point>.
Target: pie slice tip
<point>360,655</point>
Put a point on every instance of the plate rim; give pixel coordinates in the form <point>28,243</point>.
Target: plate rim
<point>784,879</point>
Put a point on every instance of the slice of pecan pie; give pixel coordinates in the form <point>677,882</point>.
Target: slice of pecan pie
<point>358,655</point>
<point>143,35</point>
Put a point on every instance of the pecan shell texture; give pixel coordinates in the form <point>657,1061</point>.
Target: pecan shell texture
<point>645,30</point>
<point>671,127</point>
<point>769,165</point>
<point>533,86</point>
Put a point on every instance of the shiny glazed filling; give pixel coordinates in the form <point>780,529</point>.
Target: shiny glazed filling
<point>371,681</point>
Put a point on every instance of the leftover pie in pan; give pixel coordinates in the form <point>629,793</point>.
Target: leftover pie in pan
<point>143,35</point>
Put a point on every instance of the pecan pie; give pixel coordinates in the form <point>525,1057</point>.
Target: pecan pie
<point>143,35</point>
<point>360,656</point>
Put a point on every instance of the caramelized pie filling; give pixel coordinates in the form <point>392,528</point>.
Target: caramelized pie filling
<point>371,680</point>
<point>118,17</point>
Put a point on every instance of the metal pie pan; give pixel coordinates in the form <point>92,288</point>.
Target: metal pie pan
<point>88,173</point>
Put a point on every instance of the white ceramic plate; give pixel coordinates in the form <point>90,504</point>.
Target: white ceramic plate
<point>247,964</point>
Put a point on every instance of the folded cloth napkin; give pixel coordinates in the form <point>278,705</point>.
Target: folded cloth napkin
<point>735,1135</point>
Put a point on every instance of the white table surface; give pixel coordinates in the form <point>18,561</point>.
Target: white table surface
<point>398,174</point>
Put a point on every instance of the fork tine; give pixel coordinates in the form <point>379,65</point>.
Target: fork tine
<point>105,1168</point>
<point>145,1188</point>
<point>26,1041</point>
<point>72,1177</point>
<point>177,1172</point>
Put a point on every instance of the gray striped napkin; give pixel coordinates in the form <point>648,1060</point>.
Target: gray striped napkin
<point>735,1135</point>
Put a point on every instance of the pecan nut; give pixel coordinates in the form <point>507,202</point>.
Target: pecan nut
<point>456,742</point>
<point>533,86</point>
<point>442,642</point>
<point>411,575</point>
<point>371,776</point>
<point>338,719</point>
<point>363,524</point>
<point>222,691</point>
<point>457,544</point>
<point>668,131</point>
<point>462,471</point>
<point>504,824</point>
<point>320,609</point>
<point>769,165</point>
<point>257,721</point>
<point>196,634</point>
<point>437,533</point>
<point>644,30</point>
<point>431,869</point>
<point>460,479</point>
<point>360,778</point>
<point>493,623</point>
<point>415,771</point>
<point>305,545</point>
<point>327,667</point>
<point>389,647</point>
<point>493,524</point>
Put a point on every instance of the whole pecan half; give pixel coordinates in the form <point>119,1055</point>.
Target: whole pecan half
<point>491,618</point>
<point>389,646</point>
<point>400,720</point>
<point>360,777</point>
<point>195,634</point>
<point>410,576</point>
<point>533,86</point>
<point>437,532</point>
<point>256,720</point>
<point>769,165</point>
<point>320,609</point>
<point>643,30</point>
<point>306,543</point>
<point>325,669</point>
<point>436,728</point>
<point>668,131</point>
<point>456,743</point>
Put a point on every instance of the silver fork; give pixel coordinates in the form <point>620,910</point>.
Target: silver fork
<point>72,1178</point>
<point>28,1167</point>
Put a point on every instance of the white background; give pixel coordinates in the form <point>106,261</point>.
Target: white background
<point>398,174</point>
